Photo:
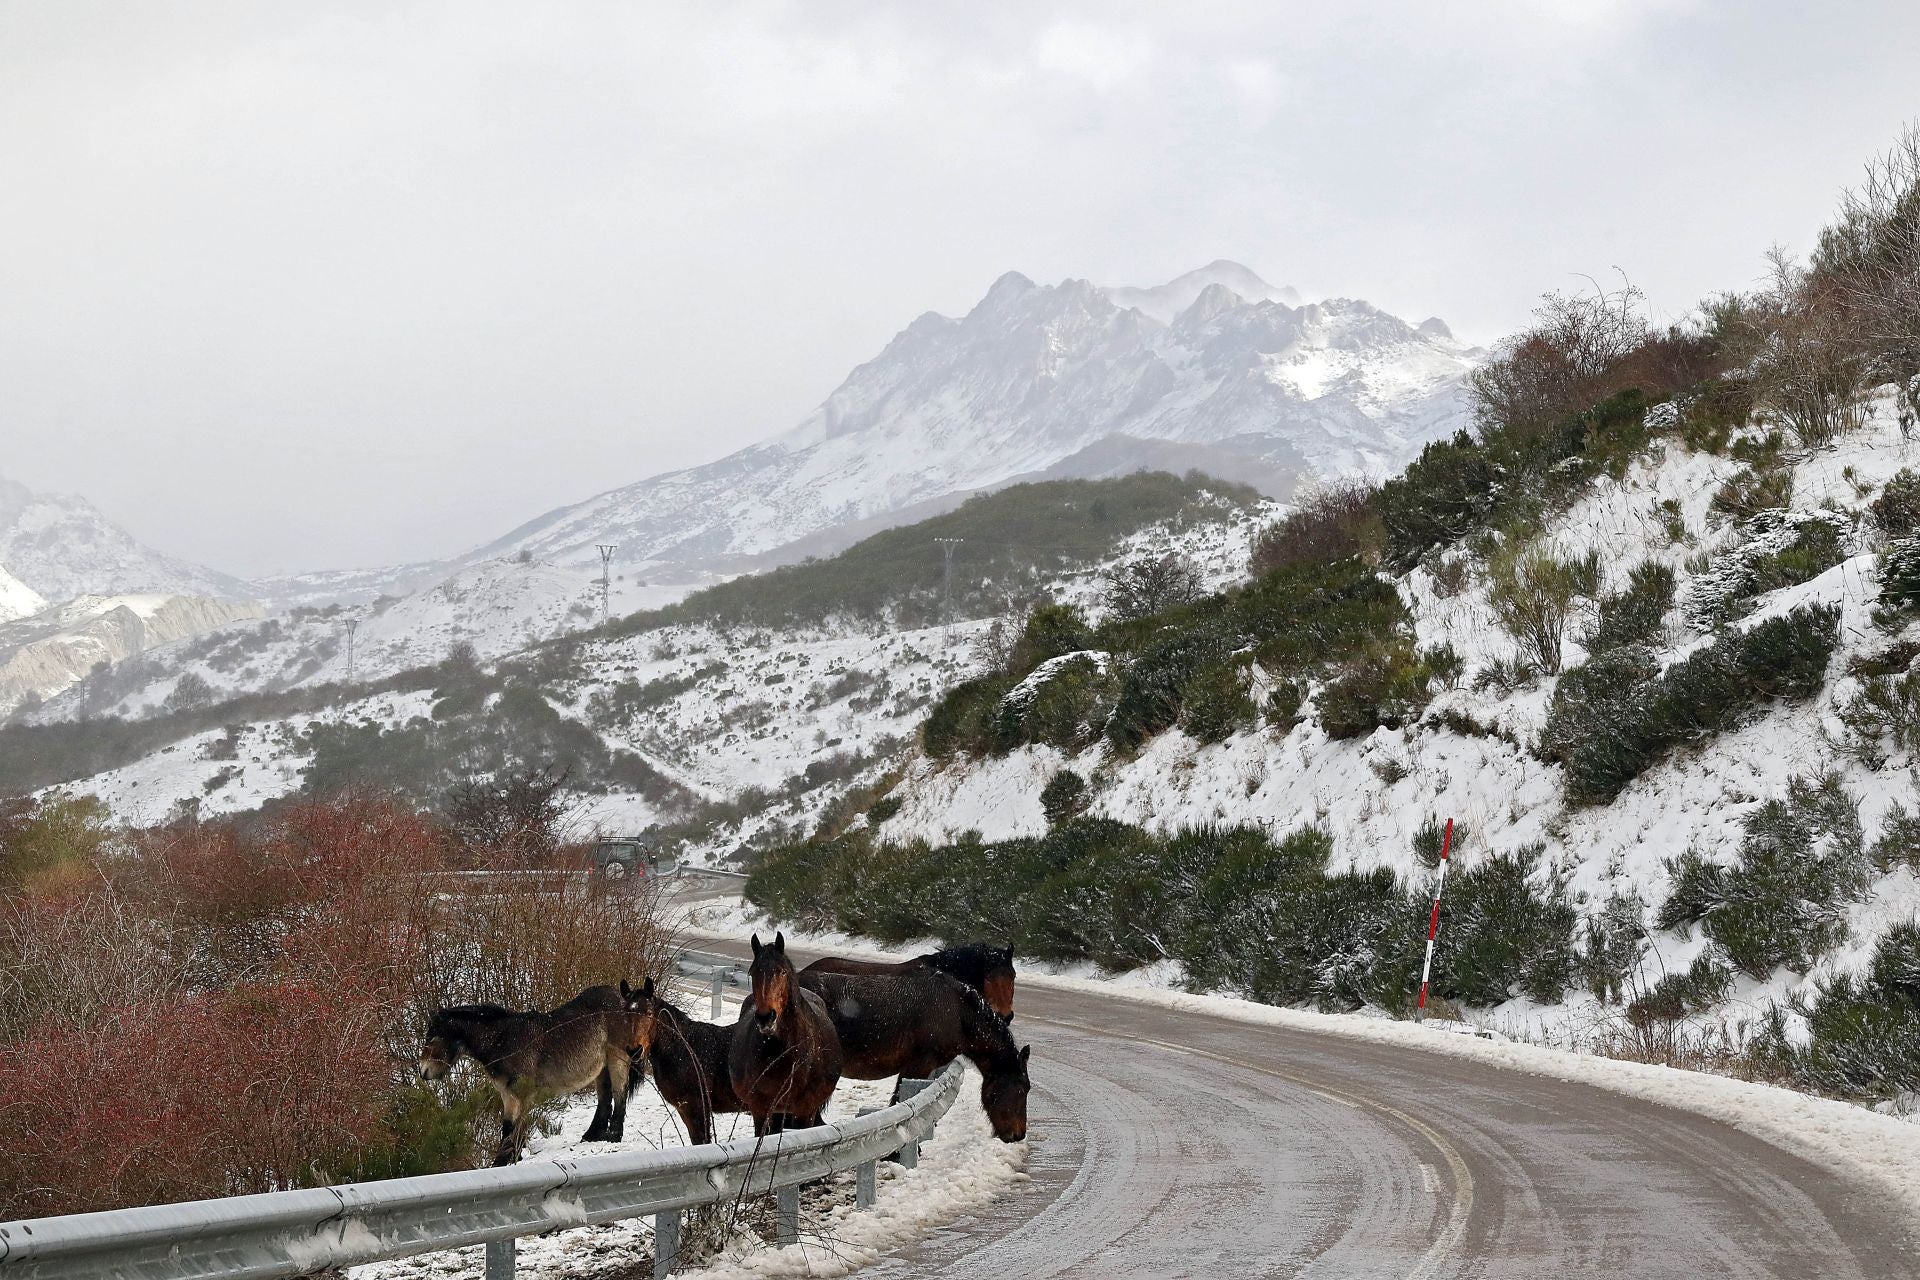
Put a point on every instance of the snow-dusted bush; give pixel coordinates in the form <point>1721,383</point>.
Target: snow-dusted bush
<point>1786,548</point>
<point>1883,712</point>
<point>1863,1032</point>
<point>1634,614</point>
<point>1507,932</point>
<point>1531,593</point>
<point>1784,901</point>
<point>1695,989</point>
<point>1064,797</point>
<point>1616,939</point>
<point>1387,687</point>
<point>1896,512</point>
<point>1899,580</point>
<point>1899,842</point>
<point>1708,692</point>
<point>1752,490</point>
<point>1217,702</point>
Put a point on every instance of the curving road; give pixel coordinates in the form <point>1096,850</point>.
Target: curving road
<point>1174,1144</point>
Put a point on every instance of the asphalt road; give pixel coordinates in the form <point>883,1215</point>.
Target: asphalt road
<point>1174,1144</point>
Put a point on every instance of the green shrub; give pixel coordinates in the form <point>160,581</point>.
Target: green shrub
<point>1633,616</point>
<point>1900,577</point>
<point>1884,711</point>
<point>1899,842</point>
<point>1697,885</point>
<point>1590,704</point>
<point>1050,631</point>
<point>1896,512</point>
<point>1531,593</point>
<point>1708,692</point>
<point>1385,688</point>
<point>1153,685</point>
<point>1216,702</point>
<point>1429,838</point>
<point>1616,939</point>
<point>1863,1033</point>
<point>1443,495</point>
<point>1698,988</point>
<point>1283,703</point>
<point>882,809</point>
<point>1501,935</point>
<point>1064,797</point>
<point>1801,863</point>
<point>1065,704</point>
<point>965,719</point>
<point>1751,490</point>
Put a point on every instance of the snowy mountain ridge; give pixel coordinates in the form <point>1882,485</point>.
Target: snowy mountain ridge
<point>62,547</point>
<point>1050,380</point>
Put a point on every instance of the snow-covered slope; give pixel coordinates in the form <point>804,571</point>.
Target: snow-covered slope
<point>1050,380</point>
<point>62,547</point>
<point>17,599</point>
<point>1373,793</point>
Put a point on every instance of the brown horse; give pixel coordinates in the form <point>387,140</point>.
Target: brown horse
<point>688,1058</point>
<point>987,969</point>
<point>785,1056</point>
<point>585,1041</point>
<point>914,1023</point>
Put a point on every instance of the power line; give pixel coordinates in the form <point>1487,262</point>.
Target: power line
<point>946,575</point>
<point>353,625</point>
<point>606,562</point>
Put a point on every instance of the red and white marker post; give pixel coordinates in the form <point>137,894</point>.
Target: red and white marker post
<point>1433,921</point>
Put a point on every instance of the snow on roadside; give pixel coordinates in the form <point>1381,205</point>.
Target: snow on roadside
<point>1874,1149</point>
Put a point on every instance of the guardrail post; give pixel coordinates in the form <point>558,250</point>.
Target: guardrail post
<point>719,985</point>
<point>866,1175</point>
<point>500,1259</point>
<point>787,1201</point>
<point>666,1243</point>
<point>909,1155</point>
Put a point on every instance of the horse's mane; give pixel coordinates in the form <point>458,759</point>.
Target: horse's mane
<point>475,1012</point>
<point>997,1029</point>
<point>969,961</point>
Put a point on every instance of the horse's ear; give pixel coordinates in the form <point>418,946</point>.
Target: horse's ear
<point>1009,951</point>
<point>780,940</point>
<point>626,992</point>
<point>756,944</point>
<point>647,990</point>
<point>1026,1050</point>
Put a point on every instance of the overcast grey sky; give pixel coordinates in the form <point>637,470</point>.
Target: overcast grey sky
<point>301,285</point>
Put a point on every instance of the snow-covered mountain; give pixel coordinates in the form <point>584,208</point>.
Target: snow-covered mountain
<point>1072,379</point>
<point>63,547</point>
<point>45,653</point>
<point>17,599</point>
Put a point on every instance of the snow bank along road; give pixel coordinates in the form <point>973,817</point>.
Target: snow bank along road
<point>1172,1143</point>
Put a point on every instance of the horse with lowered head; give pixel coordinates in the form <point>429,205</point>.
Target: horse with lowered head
<point>785,1057</point>
<point>526,1055</point>
<point>987,969</point>
<point>915,1022</point>
<point>688,1059</point>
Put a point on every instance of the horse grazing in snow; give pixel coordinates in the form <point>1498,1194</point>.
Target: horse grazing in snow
<point>586,1041</point>
<point>915,1022</point>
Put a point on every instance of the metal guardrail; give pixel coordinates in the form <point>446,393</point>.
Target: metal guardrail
<point>292,1233</point>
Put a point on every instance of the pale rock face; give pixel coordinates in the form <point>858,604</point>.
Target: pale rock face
<point>43,654</point>
<point>1216,369</point>
<point>63,547</point>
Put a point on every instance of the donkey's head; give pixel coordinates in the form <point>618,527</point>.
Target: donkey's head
<point>642,1005</point>
<point>772,975</point>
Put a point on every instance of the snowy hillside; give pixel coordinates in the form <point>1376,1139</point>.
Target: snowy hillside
<point>61,546</point>
<point>51,650</point>
<point>1471,754</point>
<point>1058,380</point>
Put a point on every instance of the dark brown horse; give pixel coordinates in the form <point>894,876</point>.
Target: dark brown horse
<point>585,1041</point>
<point>688,1058</point>
<point>915,1022</point>
<point>785,1056</point>
<point>987,969</point>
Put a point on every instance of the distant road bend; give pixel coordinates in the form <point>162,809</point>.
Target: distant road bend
<point>1173,1144</point>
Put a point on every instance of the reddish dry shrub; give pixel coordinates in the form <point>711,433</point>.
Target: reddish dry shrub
<point>197,1096</point>
<point>236,1006</point>
<point>1332,523</point>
